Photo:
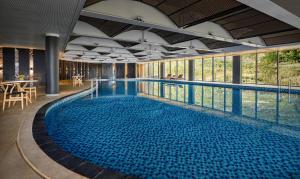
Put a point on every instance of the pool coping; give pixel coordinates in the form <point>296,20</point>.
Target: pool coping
<point>64,158</point>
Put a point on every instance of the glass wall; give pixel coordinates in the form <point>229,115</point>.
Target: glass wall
<point>167,68</point>
<point>248,68</point>
<point>267,68</point>
<point>150,68</point>
<point>180,68</point>
<point>219,69</point>
<point>198,69</point>
<point>174,67</point>
<point>228,65</point>
<point>156,70</point>
<point>289,67</point>
<point>207,69</point>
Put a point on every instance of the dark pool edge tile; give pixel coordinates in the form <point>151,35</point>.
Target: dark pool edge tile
<point>64,158</point>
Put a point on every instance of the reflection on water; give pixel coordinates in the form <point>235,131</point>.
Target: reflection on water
<point>258,105</point>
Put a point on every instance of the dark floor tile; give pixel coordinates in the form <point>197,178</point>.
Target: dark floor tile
<point>109,174</point>
<point>71,162</point>
<point>88,170</point>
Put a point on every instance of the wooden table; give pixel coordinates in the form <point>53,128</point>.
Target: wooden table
<point>15,82</point>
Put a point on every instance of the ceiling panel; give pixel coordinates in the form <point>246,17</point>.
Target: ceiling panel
<point>25,23</point>
<point>173,6</point>
<point>153,2</point>
<point>202,11</point>
<point>282,38</point>
<point>216,44</point>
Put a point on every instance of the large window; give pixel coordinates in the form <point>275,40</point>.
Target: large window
<point>156,70</point>
<point>174,67</point>
<point>289,67</point>
<point>207,71</point>
<point>267,68</point>
<point>219,69</point>
<point>180,68</point>
<point>198,69</point>
<point>150,68</point>
<point>146,70</point>
<point>248,68</point>
<point>228,69</point>
<point>167,68</point>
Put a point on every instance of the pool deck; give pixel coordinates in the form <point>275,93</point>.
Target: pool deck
<point>20,156</point>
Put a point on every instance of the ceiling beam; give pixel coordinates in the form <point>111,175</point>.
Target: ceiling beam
<point>274,10</point>
<point>161,27</point>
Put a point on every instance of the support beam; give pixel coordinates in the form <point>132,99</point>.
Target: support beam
<point>162,70</point>
<point>236,69</point>
<point>52,64</point>
<point>191,70</point>
<point>278,11</point>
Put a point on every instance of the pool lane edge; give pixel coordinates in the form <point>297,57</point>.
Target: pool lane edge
<point>64,158</point>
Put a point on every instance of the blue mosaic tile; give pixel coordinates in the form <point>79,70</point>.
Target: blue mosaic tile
<point>151,139</point>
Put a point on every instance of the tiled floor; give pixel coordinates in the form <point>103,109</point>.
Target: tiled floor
<point>12,165</point>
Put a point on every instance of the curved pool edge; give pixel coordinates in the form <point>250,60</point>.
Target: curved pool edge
<point>31,153</point>
<point>58,155</point>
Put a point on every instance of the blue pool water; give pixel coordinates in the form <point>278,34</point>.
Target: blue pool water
<point>161,130</point>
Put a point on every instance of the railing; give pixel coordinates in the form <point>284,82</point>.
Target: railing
<point>289,89</point>
<point>94,86</point>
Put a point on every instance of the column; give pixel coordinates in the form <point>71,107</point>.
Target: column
<point>191,70</point>
<point>236,70</point>
<point>52,64</point>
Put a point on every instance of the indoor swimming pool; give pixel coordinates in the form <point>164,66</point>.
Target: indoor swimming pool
<point>153,129</point>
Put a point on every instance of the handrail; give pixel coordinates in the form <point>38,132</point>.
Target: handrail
<point>279,89</point>
<point>289,90</point>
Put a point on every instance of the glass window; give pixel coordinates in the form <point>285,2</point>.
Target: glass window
<point>207,71</point>
<point>229,69</point>
<point>156,70</point>
<point>248,68</point>
<point>289,67</point>
<point>150,68</point>
<point>219,69</point>
<point>180,68</point>
<point>267,70</point>
<point>146,70</point>
<point>167,68</point>
<point>174,67</point>
<point>198,70</point>
<point>228,101</point>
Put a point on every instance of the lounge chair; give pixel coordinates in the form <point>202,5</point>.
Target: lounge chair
<point>169,76</point>
<point>180,77</point>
